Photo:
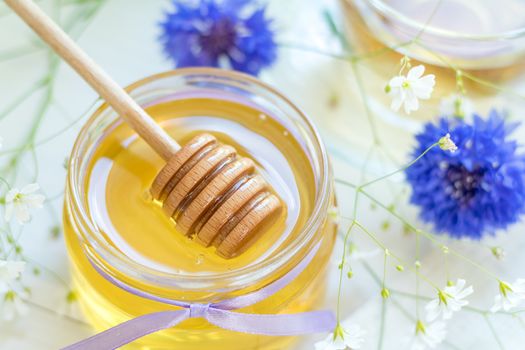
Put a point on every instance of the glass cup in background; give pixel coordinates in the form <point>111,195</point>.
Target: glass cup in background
<point>471,35</point>
<point>483,38</point>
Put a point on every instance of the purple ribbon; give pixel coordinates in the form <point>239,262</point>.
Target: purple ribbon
<point>220,314</point>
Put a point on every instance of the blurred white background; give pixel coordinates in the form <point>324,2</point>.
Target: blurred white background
<point>122,37</point>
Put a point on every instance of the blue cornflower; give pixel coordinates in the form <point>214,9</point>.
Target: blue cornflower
<point>229,33</point>
<point>475,190</point>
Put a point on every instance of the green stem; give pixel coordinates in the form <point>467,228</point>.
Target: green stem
<point>382,324</point>
<point>427,22</point>
<point>12,163</point>
<point>469,76</point>
<point>13,242</point>
<point>417,231</point>
<point>35,163</point>
<point>54,312</point>
<point>4,181</point>
<point>364,167</point>
<point>46,139</point>
<point>50,272</point>
<point>21,98</point>
<point>376,278</point>
<point>494,333</point>
<point>382,245</point>
<point>406,166</point>
<point>383,307</point>
<point>520,321</point>
<point>345,57</point>
<point>341,271</point>
<point>366,102</point>
<point>385,258</point>
<point>18,52</point>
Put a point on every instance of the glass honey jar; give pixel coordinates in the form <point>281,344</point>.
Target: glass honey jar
<point>112,224</point>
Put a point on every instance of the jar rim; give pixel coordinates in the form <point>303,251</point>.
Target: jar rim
<point>388,11</point>
<point>124,264</point>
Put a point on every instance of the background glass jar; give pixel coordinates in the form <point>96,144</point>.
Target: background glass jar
<point>484,39</point>
<point>197,100</point>
<point>472,35</point>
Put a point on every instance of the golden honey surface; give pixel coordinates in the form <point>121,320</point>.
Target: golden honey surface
<point>121,170</point>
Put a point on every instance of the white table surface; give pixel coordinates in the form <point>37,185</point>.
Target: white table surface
<point>122,38</point>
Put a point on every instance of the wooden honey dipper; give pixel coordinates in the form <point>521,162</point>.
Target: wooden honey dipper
<point>212,193</point>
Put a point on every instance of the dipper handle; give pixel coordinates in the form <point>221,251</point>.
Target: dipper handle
<point>99,80</point>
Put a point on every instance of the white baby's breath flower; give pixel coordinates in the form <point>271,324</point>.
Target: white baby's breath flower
<point>498,252</point>
<point>407,90</point>
<point>509,296</point>
<point>428,336</point>
<point>13,306</point>
<point>69,307</point>
<point>333,213</point>
<point>449,300</point>
<point>345,336</point>
<point>456,105</point>
<point>446,144</point>
<point>19,201</point>
<point>9,271</point>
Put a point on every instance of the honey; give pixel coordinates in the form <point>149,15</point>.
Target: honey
<point>111,220</point>
<point>124,166</point>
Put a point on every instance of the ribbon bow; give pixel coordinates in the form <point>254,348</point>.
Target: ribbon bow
<point>219,314</point>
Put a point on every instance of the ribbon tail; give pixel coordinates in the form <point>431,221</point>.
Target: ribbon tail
<point>273,325</point>
<point>133,329</point>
